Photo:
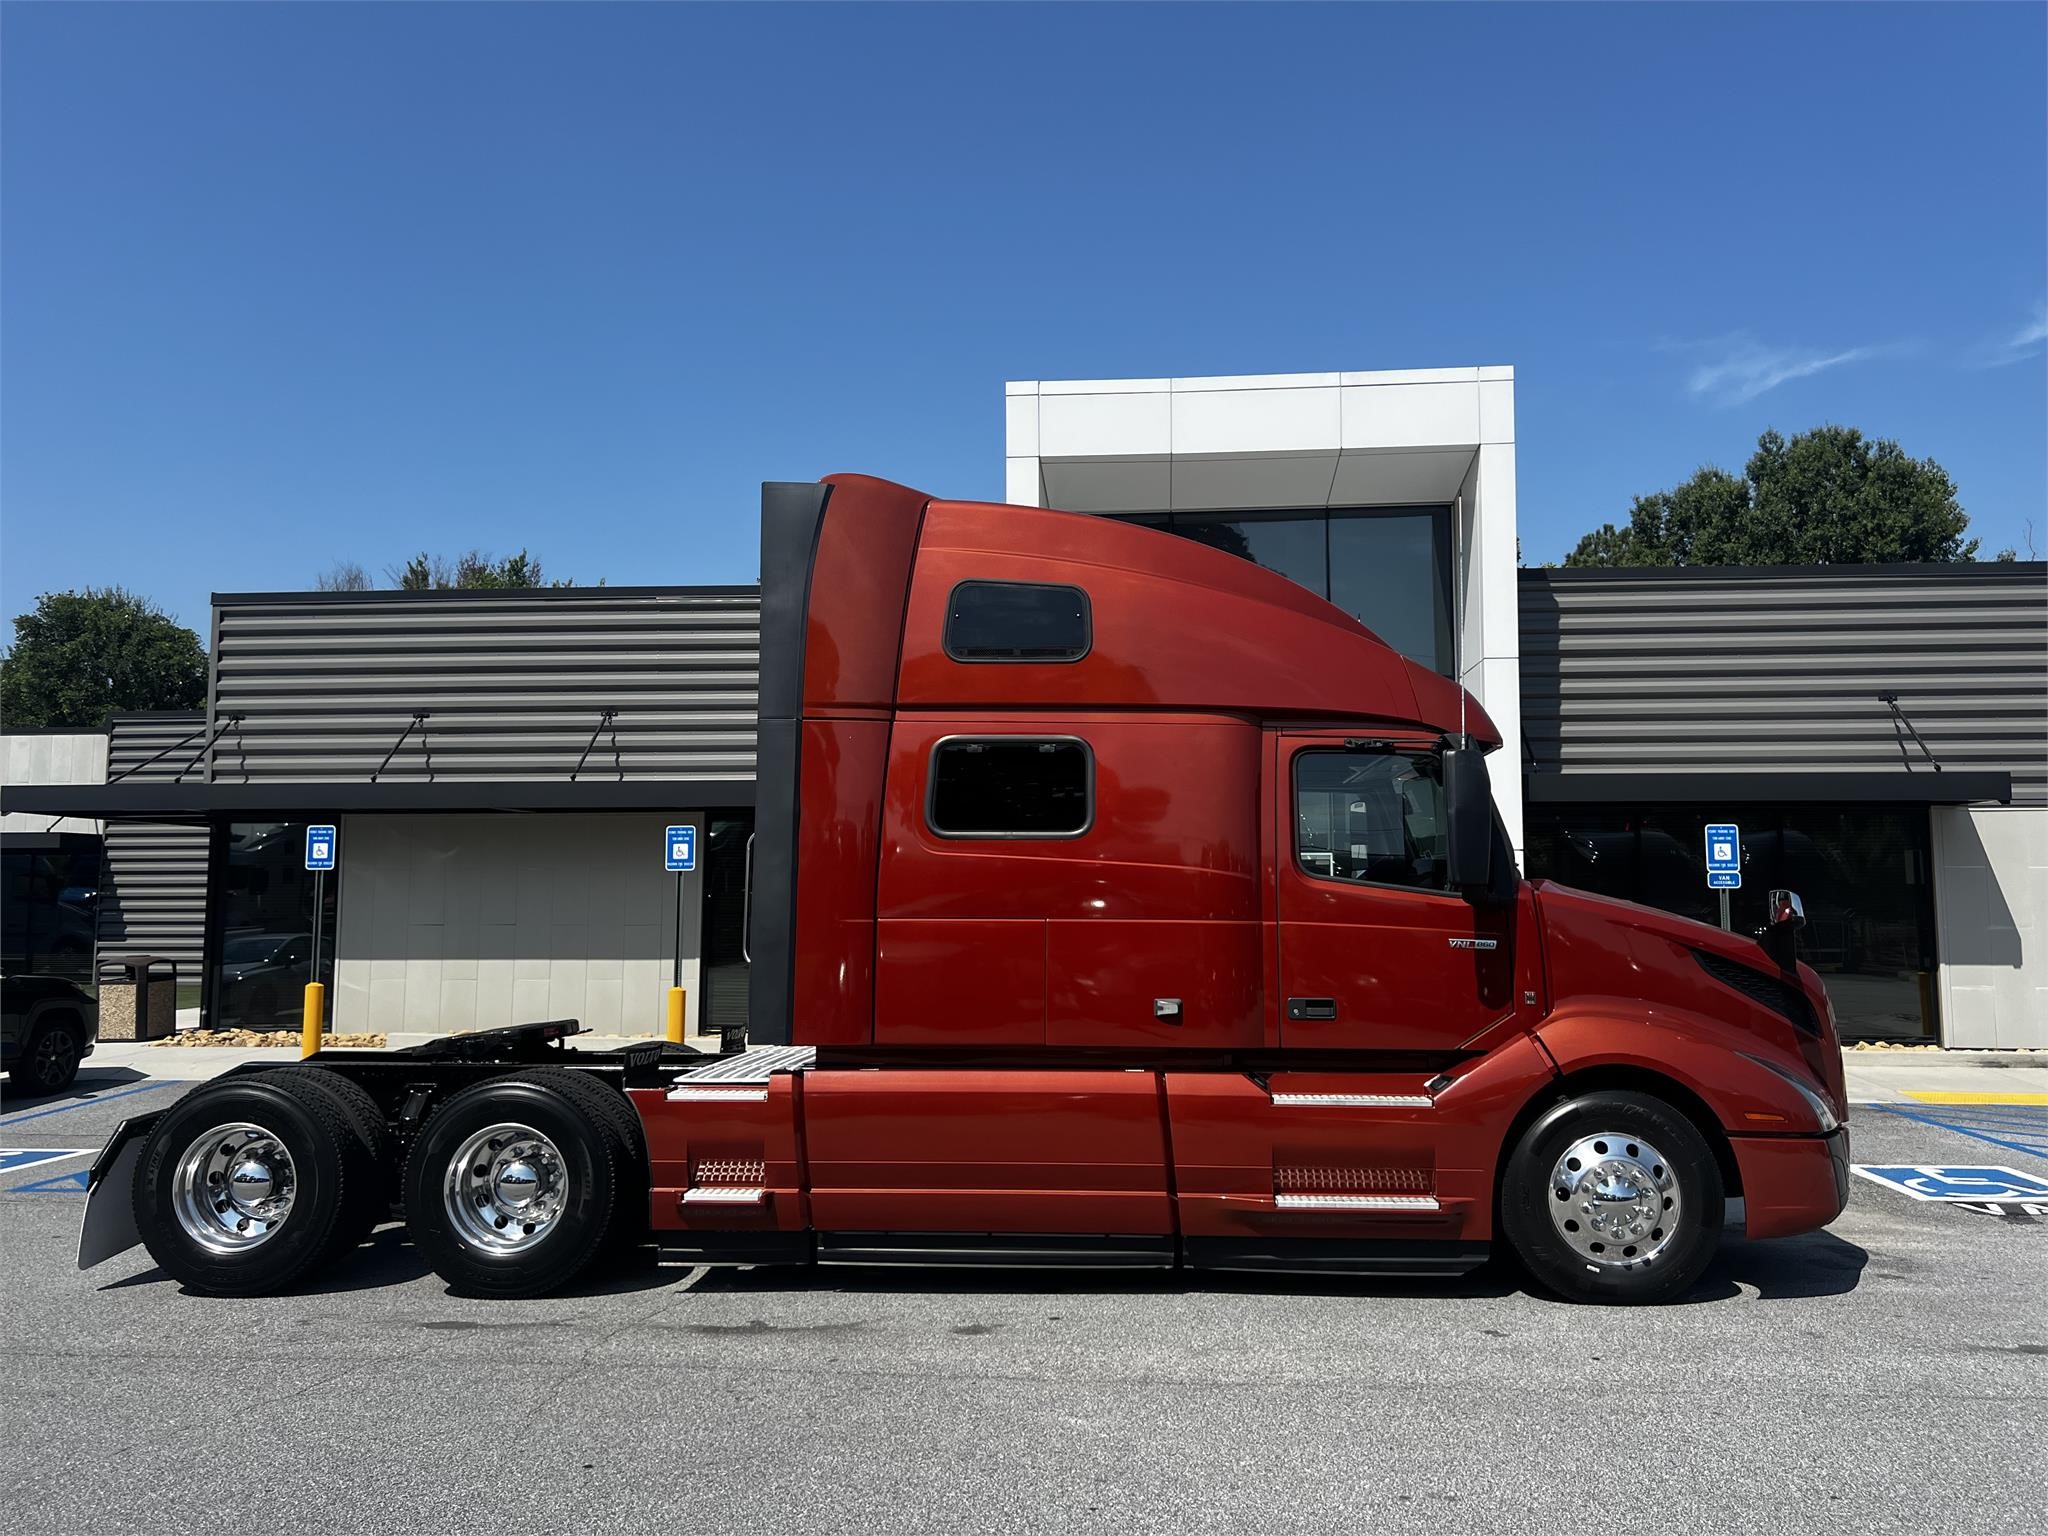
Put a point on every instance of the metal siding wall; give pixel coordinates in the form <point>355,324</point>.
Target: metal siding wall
<point>514,684</point>
<point>153,888</point>
<point>1779,670</point>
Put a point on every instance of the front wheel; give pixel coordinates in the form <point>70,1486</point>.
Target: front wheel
<point>1613,1197</point>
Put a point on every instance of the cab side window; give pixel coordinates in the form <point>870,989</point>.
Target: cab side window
<point>1373,816</point>
<point>1011,786</point>
<point>1018,621</point>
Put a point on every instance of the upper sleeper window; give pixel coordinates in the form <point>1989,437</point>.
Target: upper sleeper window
<point>1011,786</point>
<point>1017,621</point>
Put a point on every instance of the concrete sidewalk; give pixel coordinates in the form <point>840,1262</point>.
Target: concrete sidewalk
<point>1875,1077</point>
<point>1904,1077</point>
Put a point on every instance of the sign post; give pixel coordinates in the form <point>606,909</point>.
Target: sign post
<point>1724,864</point>
<point>322,852</point>
<point>678,857</point>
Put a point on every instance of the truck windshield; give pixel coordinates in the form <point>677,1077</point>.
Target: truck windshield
<point>1376,817</point>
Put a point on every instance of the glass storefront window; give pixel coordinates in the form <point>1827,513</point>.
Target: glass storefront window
<point>1392,574</point>
<point>1293,546</point>
<point>49,909</point>
<point>1388,568</point>
<point>1862,874</point>
<point>264,910</point>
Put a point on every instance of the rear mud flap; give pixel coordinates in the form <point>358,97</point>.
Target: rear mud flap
<point>108,1227</point>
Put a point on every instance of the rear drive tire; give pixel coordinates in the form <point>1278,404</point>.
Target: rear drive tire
<point>372,1161</point>
<point>242,1186</point>
<point>1613,1197</point>
<point>615,1115</point>
<point>510,1188</point>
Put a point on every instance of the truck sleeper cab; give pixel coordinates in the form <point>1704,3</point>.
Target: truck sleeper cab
<point>1114,901</point>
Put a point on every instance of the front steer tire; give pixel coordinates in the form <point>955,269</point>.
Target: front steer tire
<point>1613,1197</point>
<point>511,1187</point>
<point>243,1187</point>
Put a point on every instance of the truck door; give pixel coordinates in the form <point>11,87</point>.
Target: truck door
<point>1375,952</point>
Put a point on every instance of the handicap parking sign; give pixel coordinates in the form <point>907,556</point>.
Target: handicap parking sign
<point>1979,1185</point>
<point>320,842</point>
<point>1724,856</point>
<point>681,846</point>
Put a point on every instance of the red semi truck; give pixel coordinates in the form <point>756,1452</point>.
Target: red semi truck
<point>1114,902</point>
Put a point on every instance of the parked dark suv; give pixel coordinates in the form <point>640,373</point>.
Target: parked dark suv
<point>47,1027</point>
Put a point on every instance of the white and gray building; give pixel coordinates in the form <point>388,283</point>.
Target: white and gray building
<point>502,764</point>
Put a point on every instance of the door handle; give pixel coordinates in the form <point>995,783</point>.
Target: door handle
<point>1311,1007</point>
<point>747,904</point>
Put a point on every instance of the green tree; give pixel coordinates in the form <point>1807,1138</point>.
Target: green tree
<point>81,655</point>
<point>1827,497</point>
<point>473,570</point>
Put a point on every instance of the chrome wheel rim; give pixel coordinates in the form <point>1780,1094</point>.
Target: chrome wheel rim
<point>234,1188</point>
<point>1615,1201</point>
<point>505,1188</point>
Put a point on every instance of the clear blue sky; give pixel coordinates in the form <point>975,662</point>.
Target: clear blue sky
<point>284,286</point>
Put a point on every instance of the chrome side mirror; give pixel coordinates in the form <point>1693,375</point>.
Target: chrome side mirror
<point>1784,916</point>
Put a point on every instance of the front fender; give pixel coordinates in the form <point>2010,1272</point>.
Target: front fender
<point>1722,1065</point>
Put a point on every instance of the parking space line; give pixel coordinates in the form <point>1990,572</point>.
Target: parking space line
<point>1934,1096</point>
<point>9,1121</point>
<point>2037,1147</point>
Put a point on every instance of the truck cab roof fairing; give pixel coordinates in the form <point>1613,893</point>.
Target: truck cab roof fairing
<point>1176,625</point>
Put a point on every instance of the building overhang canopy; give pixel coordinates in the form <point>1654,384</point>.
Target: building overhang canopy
<point>1898,787</point>
<point>206,802</point>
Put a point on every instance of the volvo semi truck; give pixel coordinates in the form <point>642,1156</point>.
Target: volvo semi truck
<point>1113,902</point>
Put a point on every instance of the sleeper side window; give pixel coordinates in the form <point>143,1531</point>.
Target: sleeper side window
<point>1017,621</point>
<point>1375,816</point>
<point>1011,786</point>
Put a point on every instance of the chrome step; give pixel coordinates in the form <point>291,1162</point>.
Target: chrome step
<point>1320,1202</point>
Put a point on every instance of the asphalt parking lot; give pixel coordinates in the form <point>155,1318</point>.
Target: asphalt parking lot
<point>1888,1375</point>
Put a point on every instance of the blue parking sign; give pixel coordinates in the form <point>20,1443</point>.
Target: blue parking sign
<point>321,846</point>
<point>681,850</point>
<point>1724,856</point>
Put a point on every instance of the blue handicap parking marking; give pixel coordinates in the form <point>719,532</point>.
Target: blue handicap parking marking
<point>1955,1183</point>
<point>14,1159</point>
<point>63,1184</point>
<point>2015,1127</point>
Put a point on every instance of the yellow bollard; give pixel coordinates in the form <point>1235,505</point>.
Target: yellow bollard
<point>316,1013</point>
<point>676,998</point>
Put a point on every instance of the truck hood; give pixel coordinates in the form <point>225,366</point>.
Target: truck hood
<point>1600,947</point>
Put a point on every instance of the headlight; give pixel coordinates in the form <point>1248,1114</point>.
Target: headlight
<point>1814,1102</point>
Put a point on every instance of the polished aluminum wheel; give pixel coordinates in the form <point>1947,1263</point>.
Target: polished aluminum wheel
<point>234,1187</point>
<point>504,1188</point>
<point>1615,1200</point>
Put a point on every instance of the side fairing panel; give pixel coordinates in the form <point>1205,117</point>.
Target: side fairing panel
<point>986,1151</point>
<point>730,1141</point>
<point>843,766</point>
<point>857,587</point>
<point>1377,1155</point>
